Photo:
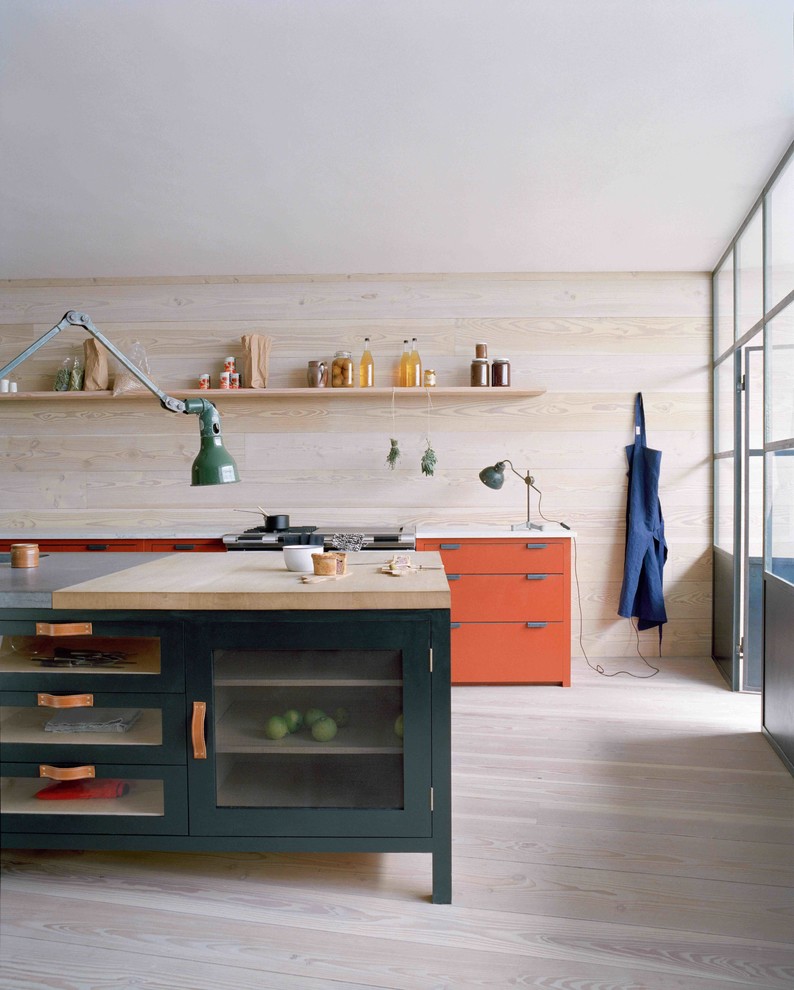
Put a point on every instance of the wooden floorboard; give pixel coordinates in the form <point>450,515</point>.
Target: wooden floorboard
<point>618,835</point>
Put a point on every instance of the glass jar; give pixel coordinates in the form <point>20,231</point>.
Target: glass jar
<point>500,373</point>
<point>429,378</point>
<point>480,373</point>
<point>342,370</point>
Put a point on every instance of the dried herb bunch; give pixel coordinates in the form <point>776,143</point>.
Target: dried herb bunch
<point>394,454</point>
<point>429,460</point>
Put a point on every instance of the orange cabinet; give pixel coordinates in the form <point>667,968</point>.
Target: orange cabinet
<point>119,546</point>
<point>511,608</point>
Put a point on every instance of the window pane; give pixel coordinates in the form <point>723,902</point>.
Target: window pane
<point>780,513</point>
<point>723,306</point>
<point>780,237</point>
<point>723,515</point>
<point>749,276</point>
<point>724,391</point>
<point>780,376</point>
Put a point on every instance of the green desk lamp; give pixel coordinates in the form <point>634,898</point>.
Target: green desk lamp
<point>494,477</point>
<point>213,465</point>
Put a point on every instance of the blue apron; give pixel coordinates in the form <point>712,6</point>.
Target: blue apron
<point>646,550</point>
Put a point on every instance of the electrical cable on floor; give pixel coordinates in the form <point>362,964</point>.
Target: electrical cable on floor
<point>596,667</point>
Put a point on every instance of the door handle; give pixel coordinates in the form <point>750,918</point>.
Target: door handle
<point>537,625</point>
<point>66,773</point>
<point>64,629</point>
<point>453,577</point>
<point>449,546</point>
<point>197,730</point>
<point>537,577</point>
<point>454,625</point>
<point>65,700</point>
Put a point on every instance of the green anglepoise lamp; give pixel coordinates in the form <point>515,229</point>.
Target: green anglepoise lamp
<point>213,465</point>
<point>494,477</point>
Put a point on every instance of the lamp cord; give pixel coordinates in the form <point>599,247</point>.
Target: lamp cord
<point>596,667</point>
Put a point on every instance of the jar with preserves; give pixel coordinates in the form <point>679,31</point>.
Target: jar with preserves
<point>342,370</point>
<point>480,372</point>
<point>500,372</point>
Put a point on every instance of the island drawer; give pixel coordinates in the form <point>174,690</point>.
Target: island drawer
<point>68,653</point>
<point>94,798</point>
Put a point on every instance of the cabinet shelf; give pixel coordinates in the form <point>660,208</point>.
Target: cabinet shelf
<point>326,668</point>
<point>281,393</point>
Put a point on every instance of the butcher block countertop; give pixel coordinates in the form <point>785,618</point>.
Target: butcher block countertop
<point>214,581</point>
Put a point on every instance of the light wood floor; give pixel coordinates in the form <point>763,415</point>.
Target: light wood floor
<point>618,835</point>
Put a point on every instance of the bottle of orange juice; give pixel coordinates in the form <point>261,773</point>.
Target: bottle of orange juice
<point>404,359</point>
<point>366,368</point>
<point>414,366</point>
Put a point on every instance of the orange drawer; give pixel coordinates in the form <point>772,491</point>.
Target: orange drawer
<point>187,546</point>
<point>510,653</point>
<point>506,597</point>
<point>499,557</point>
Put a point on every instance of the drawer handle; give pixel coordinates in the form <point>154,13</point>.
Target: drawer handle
<point>454,625</point>
<point>96,546</point>
<point>537,625</point>
<point>536,546</point>
<point>453,577</point>
<point>537,577</point>
<point>449,546</point>
<point>64,629</point>
<point>66,773</point>
<point>197,730</point>
<point>184,546</point>
<point>65,700</point>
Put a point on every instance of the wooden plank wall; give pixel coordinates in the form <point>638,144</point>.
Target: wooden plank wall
<point>107,468</point>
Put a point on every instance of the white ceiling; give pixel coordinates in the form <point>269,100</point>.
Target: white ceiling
<point>199,137</point>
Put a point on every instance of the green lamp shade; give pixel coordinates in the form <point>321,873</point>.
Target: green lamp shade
<point>214,465</point>
<point>493,477</point>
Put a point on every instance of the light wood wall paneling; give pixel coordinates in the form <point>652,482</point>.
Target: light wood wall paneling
<point>106,468</point>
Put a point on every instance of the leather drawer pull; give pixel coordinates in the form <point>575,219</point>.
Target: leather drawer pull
<point>65,700</point>
<point>453,577</point>
<point>64,629</point>
<point>197,730</point>
<point>66,773</point>
<point>449,546</point>
<point>537,577</point>
<point>537,625</point>
<point>536,546</point>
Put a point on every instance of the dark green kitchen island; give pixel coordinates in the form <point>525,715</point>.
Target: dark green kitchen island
<point>136,694</point>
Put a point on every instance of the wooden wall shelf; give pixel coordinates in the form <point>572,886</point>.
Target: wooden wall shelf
<point>285,393</point>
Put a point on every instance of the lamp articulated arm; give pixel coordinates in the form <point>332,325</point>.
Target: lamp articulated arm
<point>213,465</point>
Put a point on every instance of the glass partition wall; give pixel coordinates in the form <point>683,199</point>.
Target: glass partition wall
<point>753,320</point>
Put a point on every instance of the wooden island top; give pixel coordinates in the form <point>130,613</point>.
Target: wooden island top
<point>244,581</point>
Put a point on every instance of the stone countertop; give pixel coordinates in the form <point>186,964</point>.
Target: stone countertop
<point>434,531</point>
<point>212,581</point>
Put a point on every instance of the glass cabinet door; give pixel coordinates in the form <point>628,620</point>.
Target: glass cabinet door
<point>313,726</point>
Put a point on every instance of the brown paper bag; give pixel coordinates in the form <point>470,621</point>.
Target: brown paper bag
<point>256,354</point>
<point>97,373</point>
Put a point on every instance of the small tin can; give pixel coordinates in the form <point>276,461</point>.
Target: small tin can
<point>204,381</point>
<point>500,372</point>
<point>229,364</point>
<point>429,378</point>
<point>226,379</point>
<point>24,555</point>
<point>235,380</point>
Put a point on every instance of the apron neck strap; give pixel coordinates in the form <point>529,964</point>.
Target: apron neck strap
<point>639,420</point>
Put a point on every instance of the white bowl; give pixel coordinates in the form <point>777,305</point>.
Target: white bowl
<point>299,558</point>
